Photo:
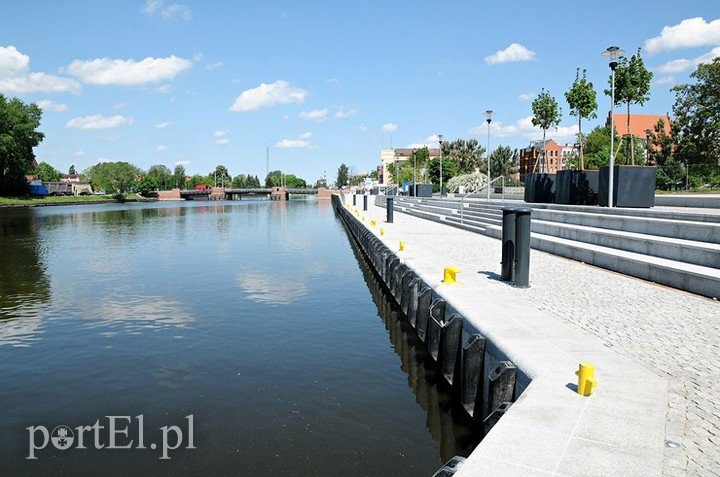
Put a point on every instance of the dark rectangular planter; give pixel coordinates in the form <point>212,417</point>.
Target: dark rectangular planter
<point>424,190</point>
<point>634,186</point>
<point>577,187</point>
<point>539,188</point>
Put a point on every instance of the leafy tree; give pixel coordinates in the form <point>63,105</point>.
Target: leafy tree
<point>179,176</point>
<point>466,153</point>
<point>582,99</point>
<point>404,172</point>
<point>197,180</point>
<point>278,178</point>
<point>697,121</point>
<point>449,170</point>
<point>239,181</point>
<point>18,137</point>
<point>502,162</point>
<point>72,170</point>
<point>118,177</point>
<point>48,173</point>
<point>546,115</point>
<point>632,86</point>
<point>159,176</point>
<point>342,176</point>
<point>220,177</point>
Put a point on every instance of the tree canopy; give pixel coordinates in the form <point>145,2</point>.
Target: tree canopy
<point>546,115</point>
<point>47,173</point>
<point>342,176</point>
<point>582,99</point>
<point>467,154</point>
<point>113,177</point>
<point>18,136</point>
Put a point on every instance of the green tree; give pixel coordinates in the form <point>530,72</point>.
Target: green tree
<point>220,177</point>
<point>697,122</point>
<point>502,162</point>
<point>48,173</point>
<point>179,176</point>
<point>160,176</point>
<point>632,86</point>
<point>18,136</point>
<point>117,177</point>
<point>342,176</point>
<point>239,181</point>
<point>449,170</point>
<point>582,99</point>
<point>72,170</point>
<point>466,153</point>
<point>404,173</point>
<point>546,115</point>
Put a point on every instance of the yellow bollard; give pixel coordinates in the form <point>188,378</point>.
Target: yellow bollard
<point>382,231</point>
<point>586,378</point>
<point>450,275</point>
<point>373,223</point>
<point>402,245</point>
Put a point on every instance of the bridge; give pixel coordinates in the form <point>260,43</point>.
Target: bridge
<point>221,193</point>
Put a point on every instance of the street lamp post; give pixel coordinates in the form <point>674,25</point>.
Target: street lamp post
<point>441,161</point>
<point>414,173</point>
<point>488,115</point>
<point>613,52</point>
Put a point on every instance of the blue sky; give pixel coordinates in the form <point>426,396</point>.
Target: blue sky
<point>319,82</point>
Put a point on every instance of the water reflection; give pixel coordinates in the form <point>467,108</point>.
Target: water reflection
<point>446,421</point>
<point>24,285</point>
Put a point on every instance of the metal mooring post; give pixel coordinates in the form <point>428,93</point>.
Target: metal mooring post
<point>522,247</point>
<point>508,243</point>
<point>354,199</point>
<point>364,202</point>
<point>390,209</point>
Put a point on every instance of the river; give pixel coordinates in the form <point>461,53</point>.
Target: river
<point>258,319</point>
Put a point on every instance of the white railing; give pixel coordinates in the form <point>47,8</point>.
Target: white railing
<point>484,189</point>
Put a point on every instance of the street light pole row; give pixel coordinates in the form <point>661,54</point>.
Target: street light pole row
<point>613,52</point>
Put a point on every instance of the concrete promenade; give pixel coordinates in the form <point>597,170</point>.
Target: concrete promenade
<point>656,410</point>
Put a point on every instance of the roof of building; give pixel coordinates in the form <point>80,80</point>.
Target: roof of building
<point>639,123</point>
<point>539,144</point>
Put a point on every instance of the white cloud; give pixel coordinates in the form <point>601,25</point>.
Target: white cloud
<point>163,125</point>
<point>362,127</point>
<point>314,115</point>
<point>214,66</point>
<point>221,138</point>
<point>182,163</point>
<point>120,106</point>
<point>389,127</point>
<point>220,133</point>
<point>161,148</point>
<point>664,80</point>
<point>430,141</point>
<point>109,71</point>
<point>514,52</point>
<point>682,64</point>
<point>303,142</point>
<point>164,89</point>
<point>333,81</point>
<point>689,33</point>
<point>16,78</point>
<point>48,105</point>
<point>524,128</point>
<point>343,113</point>
<point>98,121</point>
<point>79,153</point>
<point>268,94</point>
<point>168,12</point>
<point>223,141</point>
<point>526,96</point>
<point>293,144</point>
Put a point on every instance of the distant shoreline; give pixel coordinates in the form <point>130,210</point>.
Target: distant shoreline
<point>41,203</point>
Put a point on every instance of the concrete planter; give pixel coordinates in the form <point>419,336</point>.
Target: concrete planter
<point>539,188</point>
<point>577,187</point>
<point>634,186</point>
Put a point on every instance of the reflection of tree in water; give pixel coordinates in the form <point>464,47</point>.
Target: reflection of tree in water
<point>23,283</point>
<point>447,422</point>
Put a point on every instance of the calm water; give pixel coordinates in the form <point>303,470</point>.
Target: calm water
<point>260,319</point>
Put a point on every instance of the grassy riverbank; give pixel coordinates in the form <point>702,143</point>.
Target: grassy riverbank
<point>65,200</point>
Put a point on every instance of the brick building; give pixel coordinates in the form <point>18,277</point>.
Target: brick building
<point>531,158</point>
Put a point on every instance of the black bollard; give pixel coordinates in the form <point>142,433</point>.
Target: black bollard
<point>364,202</point>
<point>354,199</point>
<point>522,247</point>
<point>390,210</point>
<point>508,243</point>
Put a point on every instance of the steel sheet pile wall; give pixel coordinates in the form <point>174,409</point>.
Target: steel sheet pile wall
<point>485,381</point>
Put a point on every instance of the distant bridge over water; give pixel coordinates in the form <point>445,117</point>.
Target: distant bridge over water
<point>222,193</point>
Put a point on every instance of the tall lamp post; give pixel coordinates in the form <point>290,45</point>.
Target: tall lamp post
<point>613,52</point>
<point>441,161</point>
<point>488,116</point>
<point>414,173</point>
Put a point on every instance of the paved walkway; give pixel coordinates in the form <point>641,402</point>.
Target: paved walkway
<point>673,333</point>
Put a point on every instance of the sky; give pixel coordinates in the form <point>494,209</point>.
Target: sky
<point>321,82</point>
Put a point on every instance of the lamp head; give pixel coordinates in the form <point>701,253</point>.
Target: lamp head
<point>488,115</point>
<point>613,52</point>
